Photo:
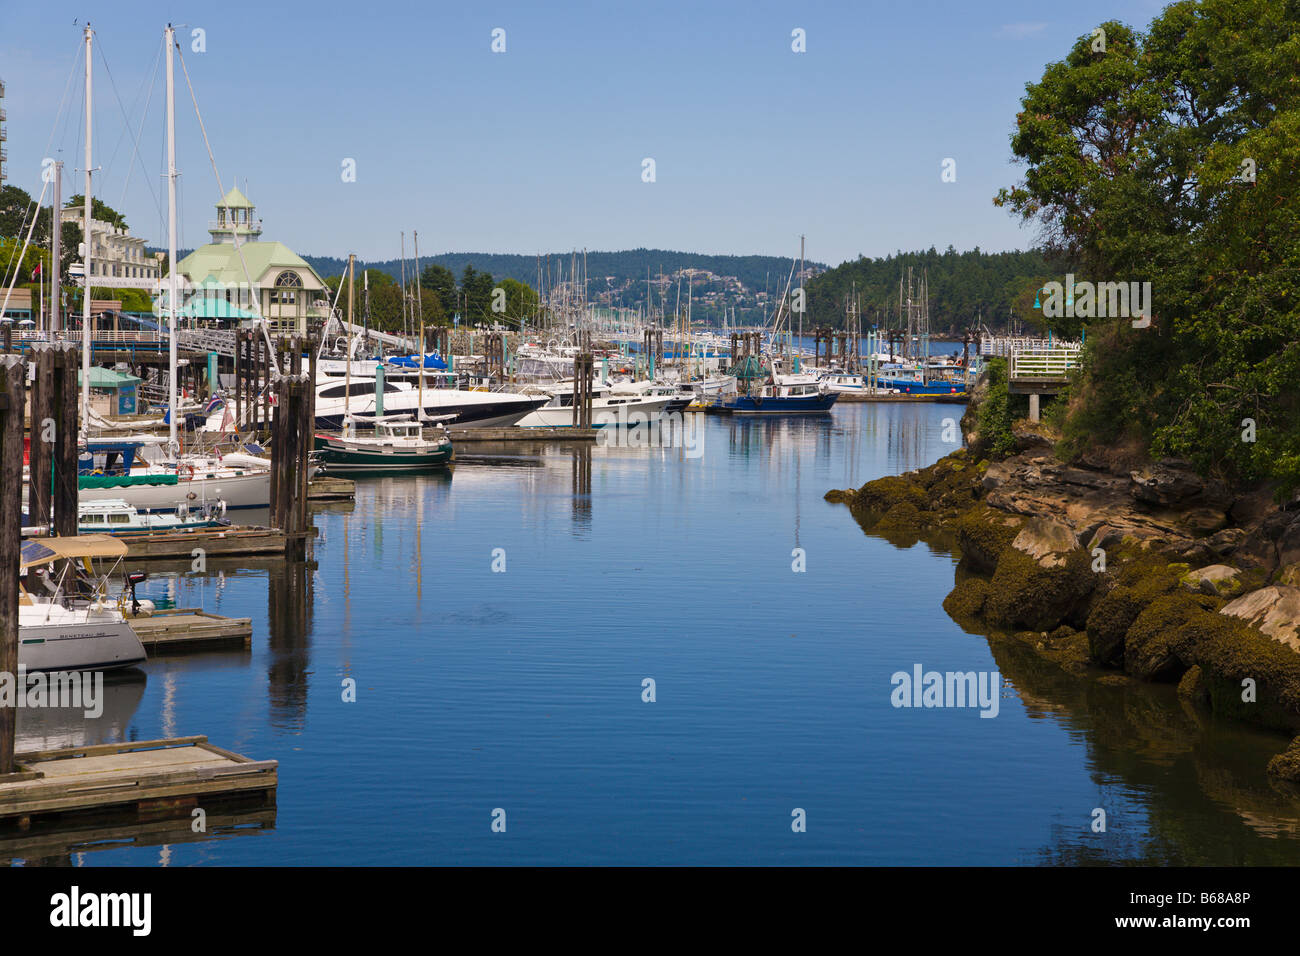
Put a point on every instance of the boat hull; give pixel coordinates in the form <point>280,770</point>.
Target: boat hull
<point>603,414</point>
<point>90,645</point>
<point>487,413</point>
<point>915,387</point>
<point>793,405</point>
<point>249,490</point>
<point>340,459</point>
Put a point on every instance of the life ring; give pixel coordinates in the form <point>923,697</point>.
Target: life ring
<point>758,401</point>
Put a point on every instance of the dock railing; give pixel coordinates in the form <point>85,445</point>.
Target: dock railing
<point>1043,363</point>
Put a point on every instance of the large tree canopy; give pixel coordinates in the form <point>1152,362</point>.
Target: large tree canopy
<point>1171,156</point>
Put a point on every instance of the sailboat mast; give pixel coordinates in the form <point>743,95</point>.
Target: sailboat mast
<point>417,324</point>
<point>86,245</point>
<point>347,366</point>
<point>403,282</point>
<point>803,303</point>
<point>172,290</point>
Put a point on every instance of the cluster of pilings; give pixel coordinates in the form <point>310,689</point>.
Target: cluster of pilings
<point>292,436</point>
<point>653,344</point>
<point>252,371</point>
<point>850,358</point>
<point>13,387</point>
<point>584,369</point>
<point>52,444</point>
<point>494,355</point>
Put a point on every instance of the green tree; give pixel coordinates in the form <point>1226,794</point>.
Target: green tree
<point>1169,157</point>
<point>98,210</point>
<point>442,283</point>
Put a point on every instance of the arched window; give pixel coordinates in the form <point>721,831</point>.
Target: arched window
<point>286,284</point>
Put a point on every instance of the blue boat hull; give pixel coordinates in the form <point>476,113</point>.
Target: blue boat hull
<point>910,386</point>
<point>798,405</point>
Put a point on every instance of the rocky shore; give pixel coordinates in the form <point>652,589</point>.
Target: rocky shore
<point>1116,570</point>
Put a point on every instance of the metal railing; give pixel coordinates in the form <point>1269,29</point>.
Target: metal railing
<point>1056,362</point>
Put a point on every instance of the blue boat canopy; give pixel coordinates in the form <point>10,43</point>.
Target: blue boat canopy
<point>432,360</point>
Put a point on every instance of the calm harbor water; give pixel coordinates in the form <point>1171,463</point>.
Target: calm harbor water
<point>522,689</point>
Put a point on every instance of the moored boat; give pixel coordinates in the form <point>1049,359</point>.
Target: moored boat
<point>66,618</point>
<point>396,444</point>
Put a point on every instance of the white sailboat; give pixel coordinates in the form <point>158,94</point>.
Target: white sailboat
<point>166,479</point>
<point>66,619</point>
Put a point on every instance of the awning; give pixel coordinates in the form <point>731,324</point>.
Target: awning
<point>45,550</point>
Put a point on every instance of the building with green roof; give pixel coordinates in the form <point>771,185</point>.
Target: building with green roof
<point>225,283</point>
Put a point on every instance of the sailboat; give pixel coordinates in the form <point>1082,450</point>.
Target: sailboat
<point>66,620</point>
<point>163,479</point>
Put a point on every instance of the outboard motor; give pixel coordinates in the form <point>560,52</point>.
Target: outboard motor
<point>132,579</point>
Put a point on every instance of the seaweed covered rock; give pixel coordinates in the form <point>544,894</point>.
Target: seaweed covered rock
<point>966,600</point>
<point>1286,765</point>
<point>1137,584</point>
<point>952,483</point>
<point>1192,686</point>
<point>882,494</point>
<point>1161,644</point>
<point>1217,579</point>
<point>1275,610</point>
<point>1250,676</point>
<point>983,534</point>
<point>1042,579</point>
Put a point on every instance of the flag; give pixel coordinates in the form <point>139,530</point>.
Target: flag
<point>36,272</point>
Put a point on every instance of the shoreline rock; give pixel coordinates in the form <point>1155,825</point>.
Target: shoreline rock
<point>1150,571</point>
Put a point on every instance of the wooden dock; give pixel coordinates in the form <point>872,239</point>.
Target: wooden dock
<point>190,629</point>
<point>514,433</point>
<point>149,780</point>
<point>952,398</point>
<point>325,488</point>
<point>215,543</point>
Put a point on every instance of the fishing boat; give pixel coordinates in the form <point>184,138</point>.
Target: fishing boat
<point>783,395</point>
<point>66,619</point>
<point>396,444</point>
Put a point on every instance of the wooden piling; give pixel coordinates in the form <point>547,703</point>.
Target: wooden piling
<point>13,386</point>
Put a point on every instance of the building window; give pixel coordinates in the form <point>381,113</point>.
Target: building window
<point>286,286</point>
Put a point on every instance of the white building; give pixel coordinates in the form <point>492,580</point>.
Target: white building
<point>117,258</point>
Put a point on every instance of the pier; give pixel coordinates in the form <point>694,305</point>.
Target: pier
<point>147,780</point>
<point>1040,371</point>
<point>190,629</point>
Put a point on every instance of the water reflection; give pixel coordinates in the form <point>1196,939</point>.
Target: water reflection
<point>49,728</point>
<point>1179,786</point>
<point>289,627</point>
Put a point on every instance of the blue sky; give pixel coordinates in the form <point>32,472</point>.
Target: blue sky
<point>540,148</point>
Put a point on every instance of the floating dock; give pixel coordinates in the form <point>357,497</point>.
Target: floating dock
<point>515,433</point>
<point>190,629</point>
<point>215,542</point>
<point>149,780</point>
<point>326,488</point>
<point>951,398</point>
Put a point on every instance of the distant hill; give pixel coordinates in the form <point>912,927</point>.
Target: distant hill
<point>964,287</point>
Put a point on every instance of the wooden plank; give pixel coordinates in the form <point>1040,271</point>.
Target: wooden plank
<point>92,749</point>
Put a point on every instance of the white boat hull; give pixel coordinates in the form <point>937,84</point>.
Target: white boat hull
<point>603,413</point>
<point>97,642</point>
<point>249,490</point>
